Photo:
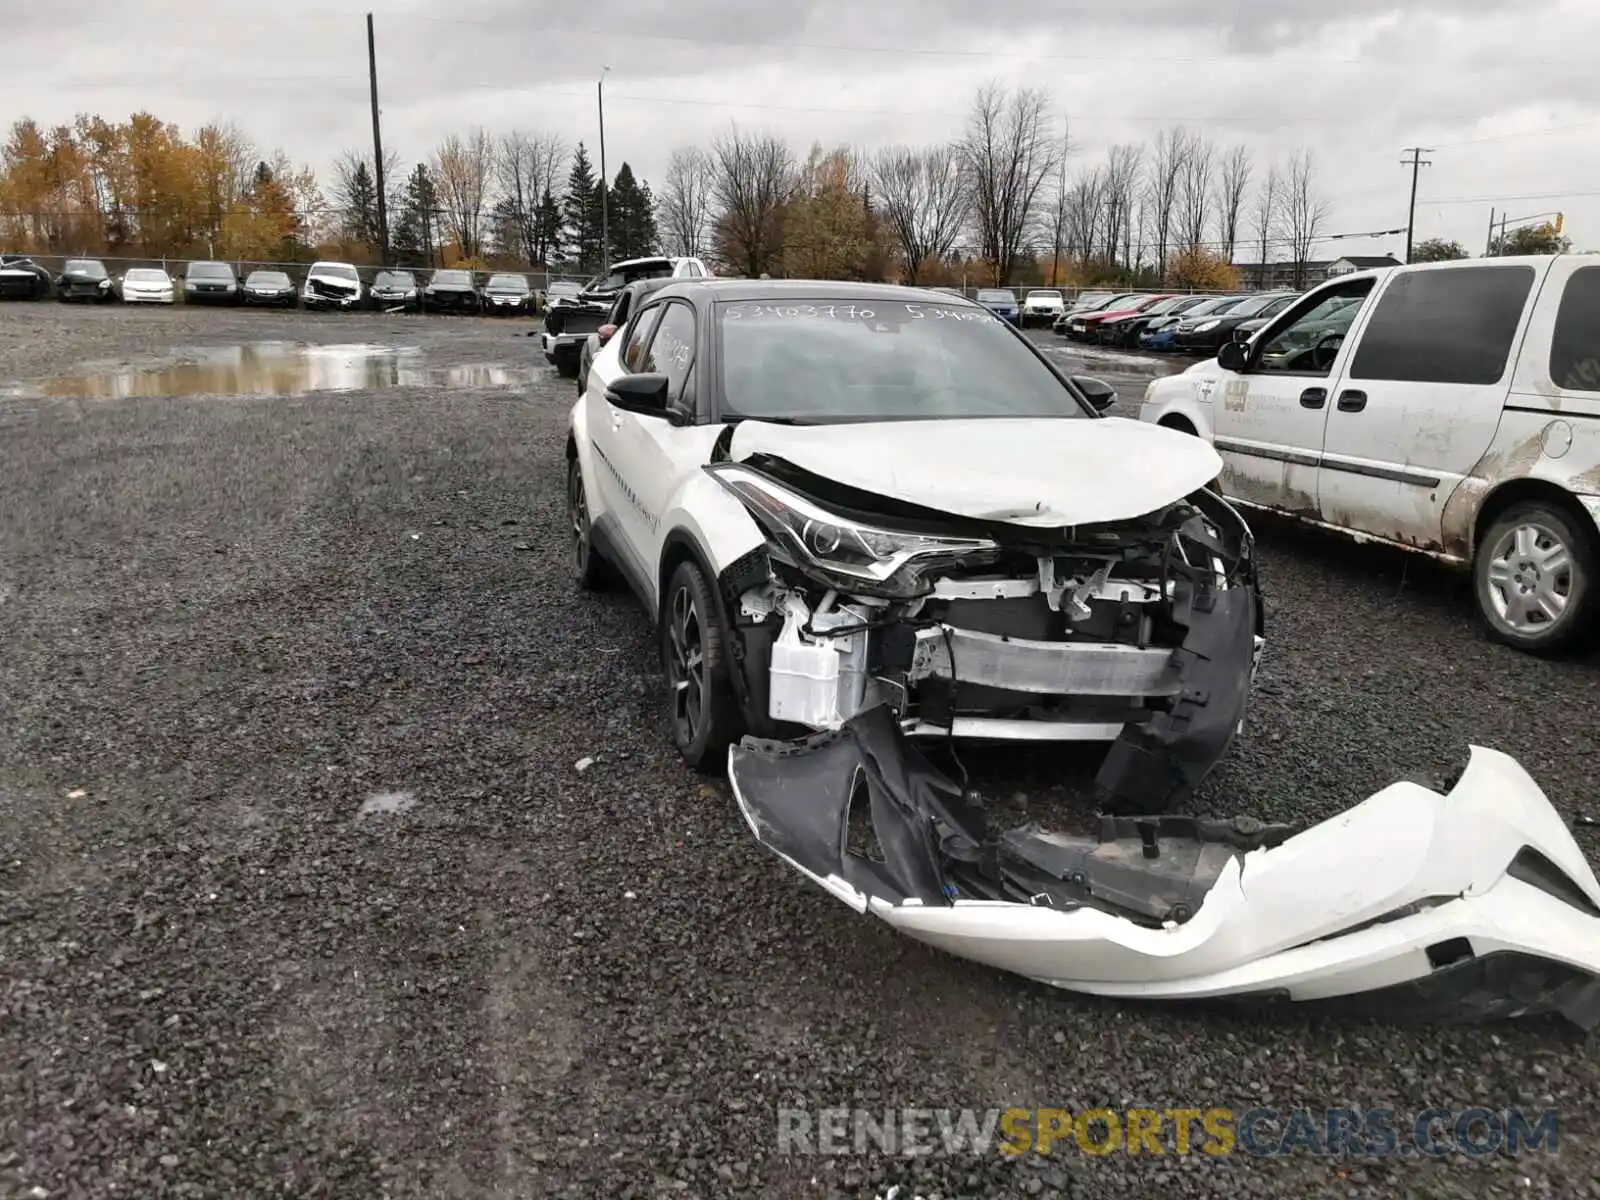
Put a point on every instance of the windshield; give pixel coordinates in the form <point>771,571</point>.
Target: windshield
<point>995,296</point>
<point>1041,295</point>
<point>823,361</point>
<point>623,276</point>
<point>146,275</point>
<point>84,266</point>
<point>395,279</point>
<point>508,283</point>
<point>210,271</point>
<point>452,278</point>
<point>1165,306</point>
<point>1112,303</point>
<point>268,279</point>
<point>564,287</point>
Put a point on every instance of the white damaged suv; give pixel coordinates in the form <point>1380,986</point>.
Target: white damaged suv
<point>836,497</point>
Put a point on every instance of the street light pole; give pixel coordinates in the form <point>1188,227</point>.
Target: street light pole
<point>605,187</point>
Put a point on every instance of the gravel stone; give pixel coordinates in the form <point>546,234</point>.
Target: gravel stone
<point>215,623</point>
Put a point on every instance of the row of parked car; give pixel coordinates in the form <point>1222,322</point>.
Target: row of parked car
<point>1158,321</point>
<point>326,285</point>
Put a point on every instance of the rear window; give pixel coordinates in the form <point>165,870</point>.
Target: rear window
<point>1444,326</point>
<point>1575,351</point>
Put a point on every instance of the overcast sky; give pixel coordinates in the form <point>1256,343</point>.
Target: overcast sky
<point>1503,90</point>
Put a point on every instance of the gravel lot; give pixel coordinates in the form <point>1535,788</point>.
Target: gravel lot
<point>230,624</point>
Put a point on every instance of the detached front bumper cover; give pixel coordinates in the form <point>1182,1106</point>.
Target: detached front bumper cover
<point>1471,904</point>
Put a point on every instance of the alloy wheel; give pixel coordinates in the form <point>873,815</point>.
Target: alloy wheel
<point>578,518</point>
<point>1530,579</point>
<point>686,671</point>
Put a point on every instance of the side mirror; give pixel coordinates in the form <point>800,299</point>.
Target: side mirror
<point>1232,356</point>
<point>1097,391</point>
<point>606,332</point>
<point>646,394</point>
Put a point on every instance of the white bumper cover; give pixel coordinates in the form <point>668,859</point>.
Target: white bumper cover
<point>1468,904</point>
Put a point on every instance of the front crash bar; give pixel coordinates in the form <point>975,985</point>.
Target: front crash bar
<point>1051,668</point>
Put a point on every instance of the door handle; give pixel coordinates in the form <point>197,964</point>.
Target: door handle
<point>1313,397</point>
<point>1352,401</point>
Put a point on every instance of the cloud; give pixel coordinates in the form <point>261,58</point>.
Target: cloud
<point>1357,81</point>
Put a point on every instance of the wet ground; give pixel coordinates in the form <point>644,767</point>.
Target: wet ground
<point>303,891</point>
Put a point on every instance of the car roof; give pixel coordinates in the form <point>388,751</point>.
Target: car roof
<point>734,291</point>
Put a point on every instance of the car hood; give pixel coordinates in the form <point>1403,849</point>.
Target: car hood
<point>1037,472</point>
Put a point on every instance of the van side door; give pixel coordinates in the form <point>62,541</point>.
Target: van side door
<point>1267,419</point>
<point>1422,395</point>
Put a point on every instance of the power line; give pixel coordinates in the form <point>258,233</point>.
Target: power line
<point>1425,201</point>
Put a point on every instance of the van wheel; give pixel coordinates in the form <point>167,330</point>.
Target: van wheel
<point>1534,578</point>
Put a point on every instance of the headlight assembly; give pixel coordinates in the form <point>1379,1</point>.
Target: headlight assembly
<point>837,550</point>
<point>1206,326</point>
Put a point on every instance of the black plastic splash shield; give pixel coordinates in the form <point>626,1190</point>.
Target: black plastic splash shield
<point>798,802</point>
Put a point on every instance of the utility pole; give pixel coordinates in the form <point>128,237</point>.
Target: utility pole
<point>605,187</point>
<point>1415,162</point>
<point>377,150</point>
<point>1488,246</point>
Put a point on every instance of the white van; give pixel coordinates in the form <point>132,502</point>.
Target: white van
<point>1450,408</point>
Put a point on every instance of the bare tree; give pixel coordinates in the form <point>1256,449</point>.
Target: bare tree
<point>1233,179</point>
<point>684,210</point>
<point>923,198</point>
<point>1303,210</point>
<point>1166,172</point>
<point>464,167</point>
<point>752,179</point>
<point>1008,152</point>
<point>1085,213</point>
<point>1123,168</point>
<point>1194,191</point>
<point>527,165</point>
<point>1266,217</point>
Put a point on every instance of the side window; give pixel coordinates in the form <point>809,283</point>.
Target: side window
<point>639,337</point>
<point>1310,341</point>
<point>1575,350</point>
<point>672,349</point>
<point>1446,326</point>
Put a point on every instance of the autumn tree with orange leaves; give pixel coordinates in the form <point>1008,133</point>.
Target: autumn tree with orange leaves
<point>140,188</point>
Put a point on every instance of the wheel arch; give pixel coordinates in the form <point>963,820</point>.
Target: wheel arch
<point>1180,422</point>
<point>1529,488</point>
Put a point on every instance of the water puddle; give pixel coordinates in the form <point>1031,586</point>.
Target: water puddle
<point>275,369</point>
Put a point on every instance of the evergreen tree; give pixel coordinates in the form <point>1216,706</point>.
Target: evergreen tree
<point>633,220</point>
<point>580,215</point>
<point>361,205</point>
<point>547,230</point>
<point>414,238</point>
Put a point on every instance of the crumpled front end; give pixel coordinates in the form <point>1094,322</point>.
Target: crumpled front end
<point>1143,633</point>
<point>1471,904</point>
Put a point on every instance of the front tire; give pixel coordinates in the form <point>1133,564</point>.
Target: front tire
<point>704,715</point>
<point>1534,578</point>
<point>588,568</point>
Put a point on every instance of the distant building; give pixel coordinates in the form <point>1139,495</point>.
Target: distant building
<point>1266,277</point>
